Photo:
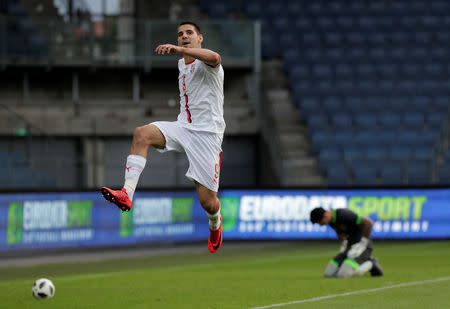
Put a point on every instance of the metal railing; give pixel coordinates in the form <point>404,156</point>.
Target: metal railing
<point>116,41</point>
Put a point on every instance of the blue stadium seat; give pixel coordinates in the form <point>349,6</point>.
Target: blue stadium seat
<point>389,122</point>
<point>43,179</point>
<point>325,22</point>
<point>341,122</point>
<point>366,122</point>
<point>329,157</point>
<point>400,153</point>
<point>354,153</point>
<point>353,104</point>
<point>441,103</point>
<point>38,46</point>
<point>418,174</point>
<point>435,121</point>
<point>388,137</point>
<point>218,10</point>
<point>318,122</point>
<point>342,139</point>
<point>5,177</point>
<point>297,72</point>
<point>22,177</point>
<point>387,71</point>
<point>364,176</point>
<point>16,9</point>
<point>286,42</point>
<point>367,70</point>
<point>421,103</point>
<point>313,55</point>
<point>332,105</point>
<point>319,140</point>
<point>391,175</point>
<point>409,139</point>
<point>366,139</point>
<point>447,156</point>
<point>294,8</point>
<point>308,106</point>
<point>283,25</point>
<point>386,86</point>
<point>430,138</point>
<point>334,38</point>
<point>322,71</point>
<point>355,38</point>
<point>443,37</point>
<point>376,104</point>
<point>253,9</point>
<point>270,47</point>
<point>422,153</point>
<point>274,9</point>
<point>343,70</point>
<point>413,121</point>
<point>334,54</point>
<point>344,22</point>
<point>290,65</point>
<point>444,174</point>
<point>338,176</point>
<point>434,69</point>
<point>303,23</point>
<point>323,86</point>
<point>377,153</point>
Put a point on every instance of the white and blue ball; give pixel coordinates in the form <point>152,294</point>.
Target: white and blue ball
<point>43,289</point>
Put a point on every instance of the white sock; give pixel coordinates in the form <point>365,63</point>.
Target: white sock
<point>214,220</point>
<point>133,169</point>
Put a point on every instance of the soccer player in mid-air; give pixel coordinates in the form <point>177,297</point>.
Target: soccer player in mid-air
<point>198,130</point>
<point>355,255</point>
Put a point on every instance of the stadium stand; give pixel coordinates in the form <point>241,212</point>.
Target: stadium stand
<point>73,88</point>
<point>365,74</point>
<point>360,86</point>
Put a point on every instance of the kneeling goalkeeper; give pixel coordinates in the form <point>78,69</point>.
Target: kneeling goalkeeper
<point>355,255</point>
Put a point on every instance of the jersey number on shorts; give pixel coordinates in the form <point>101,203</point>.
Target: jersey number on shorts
<point>217,168</point>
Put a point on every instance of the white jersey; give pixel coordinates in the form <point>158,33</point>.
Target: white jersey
<point>201,96</point>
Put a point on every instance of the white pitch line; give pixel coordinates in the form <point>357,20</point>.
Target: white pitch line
<point>309,300</point>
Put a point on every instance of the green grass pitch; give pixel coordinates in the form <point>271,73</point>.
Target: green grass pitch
<point>417,275</point>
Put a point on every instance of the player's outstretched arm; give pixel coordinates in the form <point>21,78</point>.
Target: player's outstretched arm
<point>206,55</point>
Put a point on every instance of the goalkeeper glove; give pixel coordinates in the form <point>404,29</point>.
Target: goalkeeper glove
<point>358,248</point>
<point>343,246</point>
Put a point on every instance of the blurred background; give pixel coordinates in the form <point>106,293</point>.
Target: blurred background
<point>324,94</point>
<point>317,93</point>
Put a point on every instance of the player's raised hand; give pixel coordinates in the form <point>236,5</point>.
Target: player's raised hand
<point>167,49</point>
<point>358,248</point>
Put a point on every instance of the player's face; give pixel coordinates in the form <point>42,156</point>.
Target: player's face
<point>327,216</point>
<point>188,37</point>
<point>323,221</point>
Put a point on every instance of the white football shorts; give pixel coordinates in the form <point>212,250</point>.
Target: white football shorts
<point>203,150</point>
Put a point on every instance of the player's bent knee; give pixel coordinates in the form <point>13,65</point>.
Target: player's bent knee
<point>345,271</point>
<point>330,271</point>
<point>148,135</point>
<point>140,135</point>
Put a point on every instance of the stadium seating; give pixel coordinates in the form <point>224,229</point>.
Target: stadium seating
<point>370,80</point>
<point>22,35</point>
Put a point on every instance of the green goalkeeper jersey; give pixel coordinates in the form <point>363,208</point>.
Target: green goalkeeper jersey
<point>347,223</point>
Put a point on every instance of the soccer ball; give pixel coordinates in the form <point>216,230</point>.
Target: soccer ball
<point>43,288</point>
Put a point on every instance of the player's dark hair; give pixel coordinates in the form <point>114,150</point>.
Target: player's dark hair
<point>197,28</point>
<point>317,214</point>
